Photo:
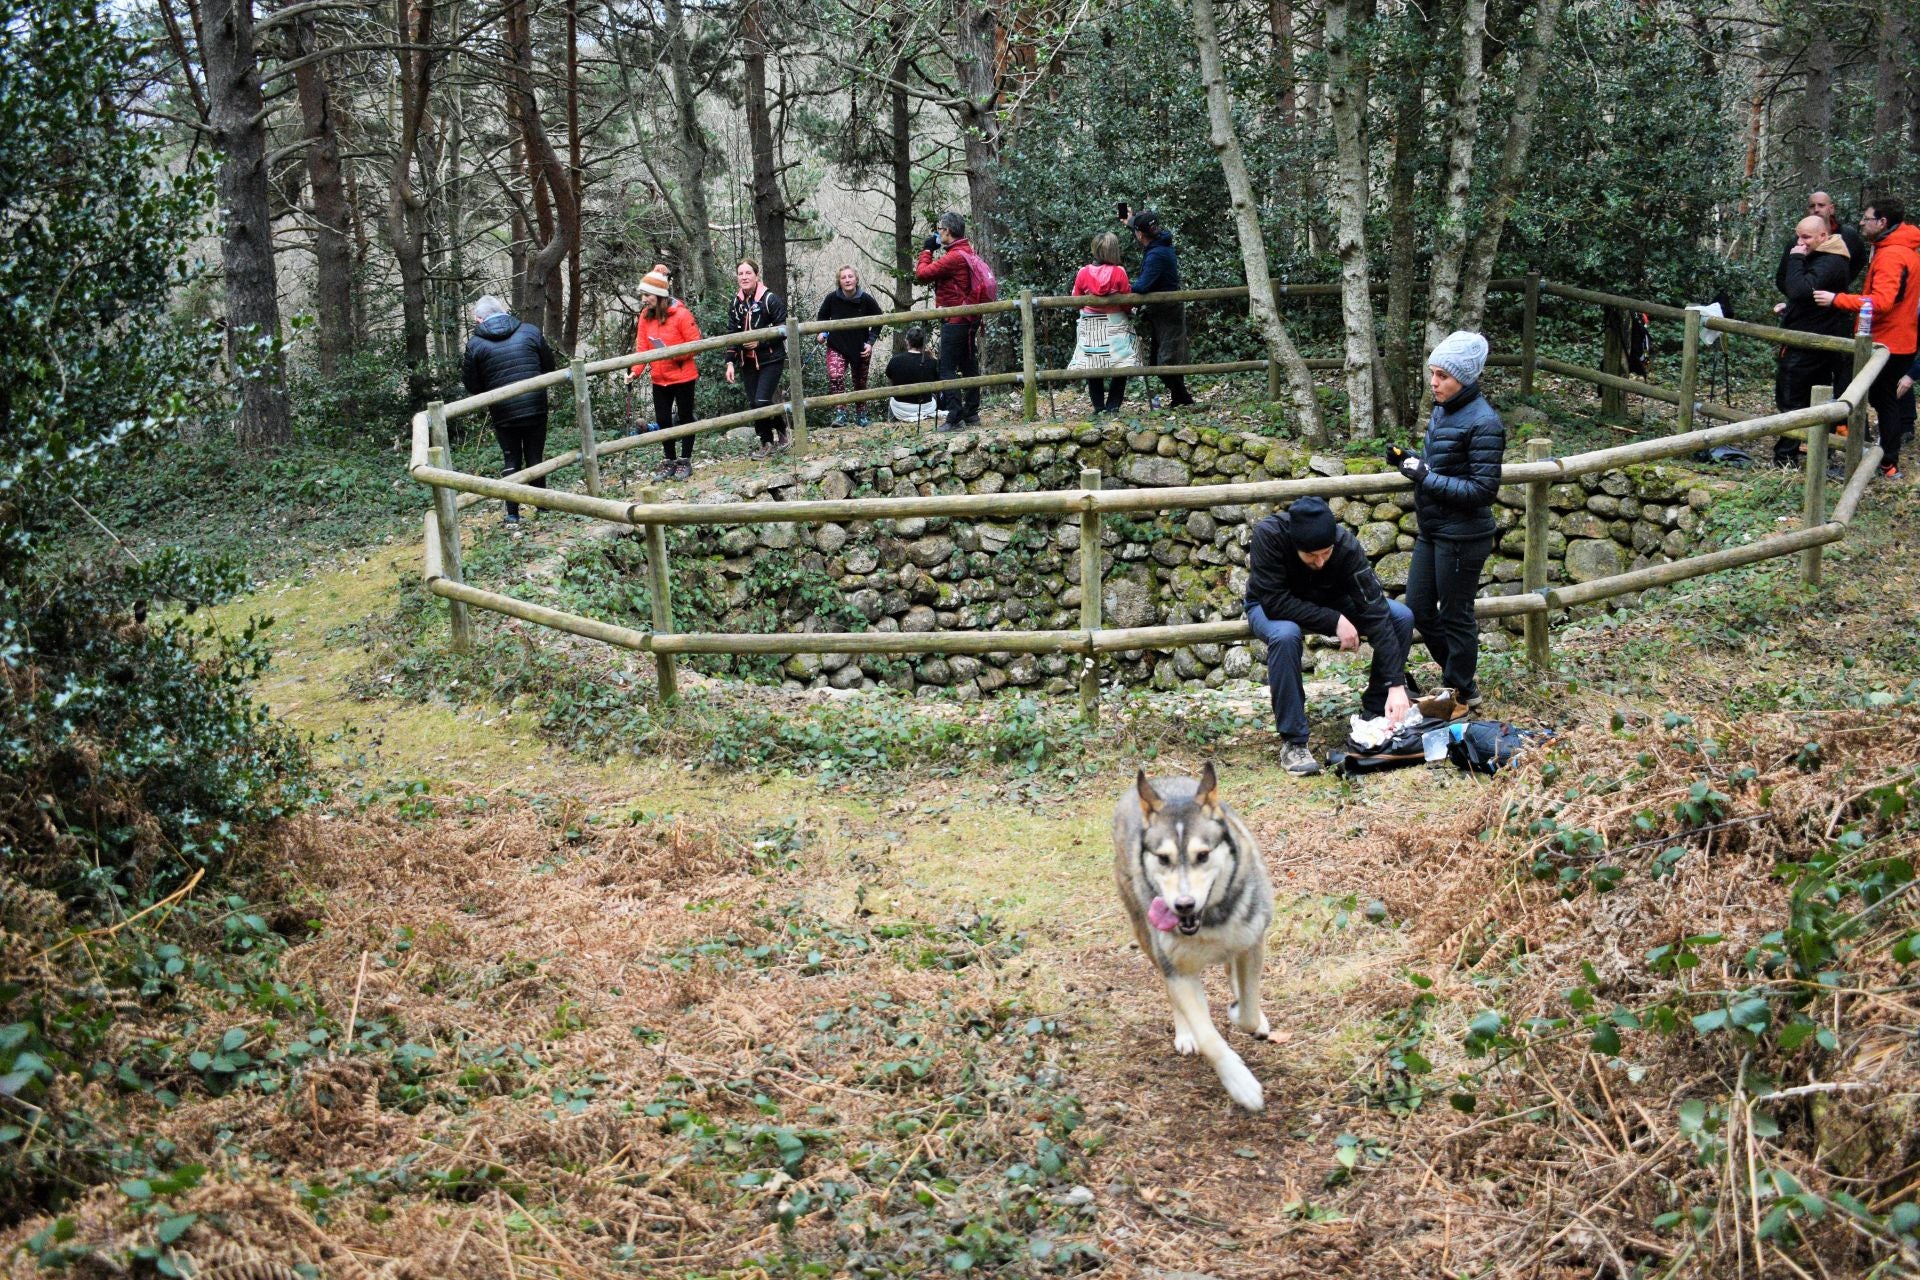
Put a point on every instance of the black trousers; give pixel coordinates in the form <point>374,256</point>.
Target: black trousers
<point>523,442</point>
<point>960,358</point>
<point>1794,379</point>
<point>669,402</point>
<point>1106,393</point>
<point>1167,343</point>
<point>1441,585</point>
<point>763,388</point>
<point>1893,412</point>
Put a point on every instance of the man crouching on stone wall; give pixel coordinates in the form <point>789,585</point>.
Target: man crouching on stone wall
<point>1308,573</point>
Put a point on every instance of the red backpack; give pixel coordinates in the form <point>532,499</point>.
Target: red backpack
<point>981,285</point>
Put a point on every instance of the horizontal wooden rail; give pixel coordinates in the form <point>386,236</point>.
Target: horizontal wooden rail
<point>1666,395</point>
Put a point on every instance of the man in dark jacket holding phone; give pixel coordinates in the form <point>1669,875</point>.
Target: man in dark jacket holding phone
<point>1308,573</point>
<point>504,350</point>
<point>1818,258</point>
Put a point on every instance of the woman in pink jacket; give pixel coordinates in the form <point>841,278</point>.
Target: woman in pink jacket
<point>1105,333</point>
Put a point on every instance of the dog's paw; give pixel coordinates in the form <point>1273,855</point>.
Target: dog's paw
<point>1184,1043</point>
<point>1241,1086</point>
<point>1257,1026</point>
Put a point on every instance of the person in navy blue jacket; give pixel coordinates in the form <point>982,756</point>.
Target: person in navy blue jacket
<point>1166,322</point>
<point>1455,478</point>
<point>504,350</point>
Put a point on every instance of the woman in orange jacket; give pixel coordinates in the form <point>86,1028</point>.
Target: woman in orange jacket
<point>665,321</point>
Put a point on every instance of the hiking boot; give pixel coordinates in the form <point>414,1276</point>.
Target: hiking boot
<point>951,426</point>
<point>1891,471</point>
<point>973,419</point>
<point>784,443</point>
<point>762,451</point>
<point>1473,699</point>
<point>684,468</point>
<point>1298,760</point>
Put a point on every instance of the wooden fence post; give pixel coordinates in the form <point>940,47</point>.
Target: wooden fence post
<point>796,383</point>
<point>661,589</point>
<point>440,454</point>
<point>1529,321</point>
<point>1534,566</point>
<point>1689,370</point>
<point>1090,589</point>
<point>1613,360</point>
<point>1857,420</point>
<point>583,410</point>
<point>1029,377</point>
<point>1275,376</point>
<point>1813,509</point>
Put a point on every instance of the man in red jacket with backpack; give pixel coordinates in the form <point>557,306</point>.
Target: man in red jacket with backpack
<point>1893,285</point>
<point>956,276</point>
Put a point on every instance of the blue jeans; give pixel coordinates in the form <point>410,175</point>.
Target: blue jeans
<point>1284,644</point>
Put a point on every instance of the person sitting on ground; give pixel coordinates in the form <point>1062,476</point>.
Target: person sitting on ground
<point>1455,478</point>
<point>505,350</point>
<point>1818,258</point>
<point>763,363</point>
<point>665,321</point>
<point>849,351</point>
<point>1104,339</point>
<point>909,368</point>
<point>1309,573</point>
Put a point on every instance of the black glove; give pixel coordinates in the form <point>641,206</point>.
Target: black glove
<point>1415,468</point>
<point>930,244</point>
<point>1396,455</point>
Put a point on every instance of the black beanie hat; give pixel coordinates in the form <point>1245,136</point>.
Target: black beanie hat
<point>1312,523</point>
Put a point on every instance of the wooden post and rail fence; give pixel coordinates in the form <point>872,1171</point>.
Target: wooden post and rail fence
<point>430,463</point>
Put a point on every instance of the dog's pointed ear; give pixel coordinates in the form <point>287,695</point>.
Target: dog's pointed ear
<point>1208,797</point>
<point>1150,800</point>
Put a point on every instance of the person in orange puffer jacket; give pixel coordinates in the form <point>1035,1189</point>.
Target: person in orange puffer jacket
<point>1893,284</point>
<point>665,321</point>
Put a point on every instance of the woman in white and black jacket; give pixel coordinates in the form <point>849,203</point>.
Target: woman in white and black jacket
<point>1455,477</point>
<point>764,362</point>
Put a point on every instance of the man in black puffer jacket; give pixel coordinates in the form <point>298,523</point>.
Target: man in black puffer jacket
<point>1816,259</point>
<point>1455,478</point>
<point>505,350</point>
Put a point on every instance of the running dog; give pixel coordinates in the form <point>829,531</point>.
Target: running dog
<point>1193,884</point>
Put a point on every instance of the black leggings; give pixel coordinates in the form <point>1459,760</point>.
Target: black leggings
<point>1441,585</point>
<point>762,383</point>
<point>523,443</point>
<point>1106,393</point>
<point>673,407</point>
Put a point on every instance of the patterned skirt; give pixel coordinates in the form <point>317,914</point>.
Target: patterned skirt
<point>1105,341</point>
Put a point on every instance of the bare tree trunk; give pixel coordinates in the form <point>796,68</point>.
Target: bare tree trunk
<point>979,121</point>
<point>406,208</point>
<point>1521,114</point>
<point>333,255</point>
<point>901,144</point>
<point>1890,91</point>
<point>576,175</point>
<point>1816,111</point>
<point>1280,30</point>
<point>1310,202</point>
<point>1348,103</point>
<point>235,112</point>
<point>769,206</point>
<point>1246,220</point>
<point>557,216</point>
<point>691,151</point>
<point>1409,123</point>
<point>1463,128</point>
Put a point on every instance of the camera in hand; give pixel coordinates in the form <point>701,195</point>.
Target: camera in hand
<point>931,243</point>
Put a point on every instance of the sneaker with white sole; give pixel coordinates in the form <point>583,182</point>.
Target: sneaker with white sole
<point>1298,760</point>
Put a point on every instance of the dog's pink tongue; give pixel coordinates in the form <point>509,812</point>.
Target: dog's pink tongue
<point>1160,915</point>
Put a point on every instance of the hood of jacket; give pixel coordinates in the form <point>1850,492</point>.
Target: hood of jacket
<point>1836,244</point>
<point>494,328</point>
<point>1163,238</point>
<point>1905,236</point>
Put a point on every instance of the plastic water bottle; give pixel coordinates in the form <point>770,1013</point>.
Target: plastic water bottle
<point>1864,327</point>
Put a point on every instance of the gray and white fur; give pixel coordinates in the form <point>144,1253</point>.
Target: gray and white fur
<point>1173,839</point>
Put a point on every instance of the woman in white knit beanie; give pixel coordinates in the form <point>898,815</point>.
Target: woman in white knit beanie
<point>1455,476</point>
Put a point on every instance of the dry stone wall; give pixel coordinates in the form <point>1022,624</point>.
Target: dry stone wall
<point>1188,566</point>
